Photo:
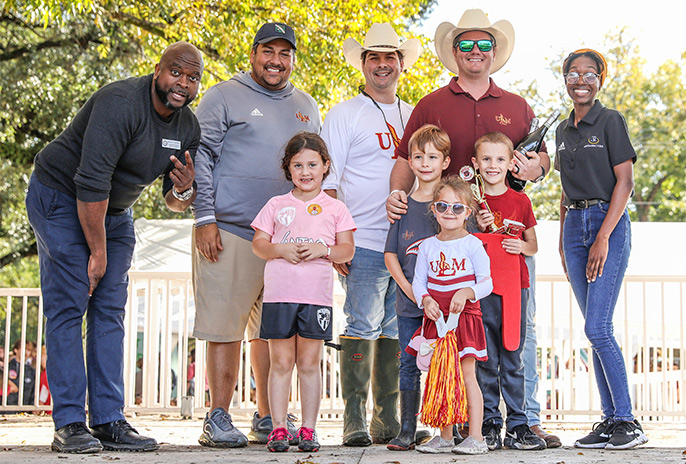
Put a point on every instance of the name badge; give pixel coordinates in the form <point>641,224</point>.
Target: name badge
<point>173,144</point>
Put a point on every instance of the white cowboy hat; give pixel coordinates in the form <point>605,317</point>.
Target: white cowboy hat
<point>474,20</point>
<point>381,38</point>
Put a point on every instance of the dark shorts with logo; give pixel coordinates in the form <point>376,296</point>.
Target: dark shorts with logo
<point>284,320</point>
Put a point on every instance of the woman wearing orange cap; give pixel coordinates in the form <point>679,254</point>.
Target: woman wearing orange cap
<point>595,159</point>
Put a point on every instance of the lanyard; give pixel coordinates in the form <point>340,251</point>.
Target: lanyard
<point>391,129</point>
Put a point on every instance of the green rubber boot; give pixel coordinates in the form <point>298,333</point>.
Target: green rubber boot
<point>385,390</point>
<point>356,368</point>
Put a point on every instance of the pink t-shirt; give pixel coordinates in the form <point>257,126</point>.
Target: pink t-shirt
<point>288,219</point>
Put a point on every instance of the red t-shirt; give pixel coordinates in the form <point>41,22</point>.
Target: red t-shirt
<point>515,206</point>
<point>466,119</point>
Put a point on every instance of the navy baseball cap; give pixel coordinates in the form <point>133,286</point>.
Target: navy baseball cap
<point>273,31</point>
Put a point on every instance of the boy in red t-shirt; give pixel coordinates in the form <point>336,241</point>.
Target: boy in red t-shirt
<point>512,214</point>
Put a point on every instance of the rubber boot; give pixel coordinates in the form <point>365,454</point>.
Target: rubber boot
<point>409,407</point>
<point>385,390</point>
<point>356,367</point>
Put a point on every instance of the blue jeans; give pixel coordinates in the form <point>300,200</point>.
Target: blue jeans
<point>533,407</point>
<point>597,301</point>
<point>503,372</point>
<point>369,297</point>
<point>408,375</point>
<point>63,258</point>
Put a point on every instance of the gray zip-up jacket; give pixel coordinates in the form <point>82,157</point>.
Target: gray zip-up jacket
<point>245,128</point>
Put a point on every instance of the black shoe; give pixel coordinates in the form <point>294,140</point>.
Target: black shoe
<point>120,436</point>
<point>522,438</point>
<point>491,432</point>
<point>599,436</point>
<point>625,435</point>
<point>75,438</point>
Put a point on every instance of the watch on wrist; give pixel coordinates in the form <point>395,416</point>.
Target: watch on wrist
<point>183,196</point>
<point>541,177</point>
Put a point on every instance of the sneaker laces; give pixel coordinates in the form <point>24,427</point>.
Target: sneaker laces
<point>625,427</point>
<point>522,430</point>
<point>280,434</point>
<point>605,426</point>
<point>222,419</point>
<point>306,434</point>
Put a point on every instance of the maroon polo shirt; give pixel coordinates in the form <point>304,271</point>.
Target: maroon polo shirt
<point>466,119</point>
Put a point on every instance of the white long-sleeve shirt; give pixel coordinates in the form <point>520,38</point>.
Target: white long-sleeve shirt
<point>447,266</point>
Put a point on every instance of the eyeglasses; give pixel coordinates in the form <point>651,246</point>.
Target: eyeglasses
<point>442,207</point>
<point>484,45</point>
<point>589,78</point>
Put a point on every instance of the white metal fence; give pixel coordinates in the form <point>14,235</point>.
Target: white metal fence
<point>649,325</point>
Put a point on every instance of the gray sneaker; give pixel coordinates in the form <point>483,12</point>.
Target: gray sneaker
<point>436,445</point>
<point>261,427</point>
<point>219,432</point>
<point>470,446</point>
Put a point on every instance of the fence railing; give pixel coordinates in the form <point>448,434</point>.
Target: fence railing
<point>164,363</point>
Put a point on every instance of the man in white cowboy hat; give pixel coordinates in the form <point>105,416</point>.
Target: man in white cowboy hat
<point>362,134</point>
<point>467,108</point>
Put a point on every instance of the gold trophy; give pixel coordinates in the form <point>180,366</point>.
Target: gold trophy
<point>467,173</point>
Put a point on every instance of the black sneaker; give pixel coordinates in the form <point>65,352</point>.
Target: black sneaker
<point>599,436</point>
<point>522,438</point>
<point>262,427</point>
<point>120,436</point>
<point>625,435</point>
<point>75,438</point>
<point>278,440</point>
<point>308,440</point>
<point>491,432</point>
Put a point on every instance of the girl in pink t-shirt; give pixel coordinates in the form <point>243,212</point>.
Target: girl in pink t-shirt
<point>300,234</point>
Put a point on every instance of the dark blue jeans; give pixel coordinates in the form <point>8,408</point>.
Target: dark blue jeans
<point>409,375</point>
<point>503,373</point>
<point>63,257</point>
<point>597,301</point>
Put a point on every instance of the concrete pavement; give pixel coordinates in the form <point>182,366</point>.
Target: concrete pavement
<point>26,438</point>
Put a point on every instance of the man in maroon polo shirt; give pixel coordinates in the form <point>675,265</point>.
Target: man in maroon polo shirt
<point>470,105</point>
<point>467,108</point>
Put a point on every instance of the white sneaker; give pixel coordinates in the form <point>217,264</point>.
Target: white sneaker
<point>436,445</point>
<point>470,446</point>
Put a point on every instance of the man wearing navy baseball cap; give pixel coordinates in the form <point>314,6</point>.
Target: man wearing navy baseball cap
<point>273,31</point>
<point>245,122</point>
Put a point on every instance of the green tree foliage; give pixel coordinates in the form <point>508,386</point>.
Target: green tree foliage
<point>55,54</point>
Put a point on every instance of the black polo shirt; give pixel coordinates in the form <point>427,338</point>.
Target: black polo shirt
<point>587,154</point>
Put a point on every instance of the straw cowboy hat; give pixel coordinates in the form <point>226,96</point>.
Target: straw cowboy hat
<point>381,38</point>
<point>474,20</point>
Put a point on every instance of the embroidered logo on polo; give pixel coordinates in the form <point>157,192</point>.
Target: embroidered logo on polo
<point>256,112</point>
<point>324,318</point>
<point>561,147</point>
<point>302,117</point>
<point>173,144</point>
<point>286,215</point>
<point>502,120</point>
<point>594,142</point>
<point>314,209</point>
